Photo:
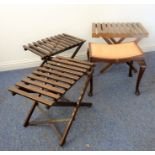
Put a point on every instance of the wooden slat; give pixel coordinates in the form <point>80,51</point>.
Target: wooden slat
<point>45,52</point>
<point>124,29</point>
<point>42,46</point>
<point>93,30</point>
<point>142,28</point>
<point>37,90</point>
<point>140,31</point>
<point>58,40</point>
<point>65,80</point>
<point>54,43</point>
<point>55,72</point>
<point>104,28</point>
<point>99,30</point>
<point>68,42</point>
<point>34,51</point>
<point>77,41</point>
<point>45,86</point>
<point>77,38</point>
<point>135,29</point>
<point>72,72</point>
<point>62,64</point>
<point>46,44</point>
<point>70,63</point>
<point>62,37</point>
<point>133,32</point>
<point>109,29</point>
<point>50,81</point>
<point>31,96</point>
<point>119,30</point>
<point>76,61</point>
<point>113,28</point>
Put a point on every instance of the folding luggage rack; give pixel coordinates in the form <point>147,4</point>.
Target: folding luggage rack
<point>55,76</point>
<point>55,45</point>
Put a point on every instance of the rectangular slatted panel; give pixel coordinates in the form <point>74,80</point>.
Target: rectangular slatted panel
<point>53,45</point>
<point>49,82</point>
<point>114,30</point>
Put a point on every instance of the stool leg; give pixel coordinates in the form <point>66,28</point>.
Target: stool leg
<point>91,86</point>
<point>75,110</point>
<point>76,51</point>
<point>88,58</point>
<point>26,123</point>
<point>63,139</point>
<point>141,72</point>
<point>130,68</point>
<point>90,93</point>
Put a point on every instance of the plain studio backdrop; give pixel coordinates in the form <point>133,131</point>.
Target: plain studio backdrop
<point>22,24</point>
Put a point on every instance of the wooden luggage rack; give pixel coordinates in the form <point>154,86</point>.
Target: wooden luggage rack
<point>55,45</point>
<point>48,84</point>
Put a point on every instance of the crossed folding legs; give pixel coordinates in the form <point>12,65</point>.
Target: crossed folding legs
<point>49,83</point>
<point>55,76</point>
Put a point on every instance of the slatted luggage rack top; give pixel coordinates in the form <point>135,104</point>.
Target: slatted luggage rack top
<point>50,81</point>
<point>114,30</point>
<point>54,45</point>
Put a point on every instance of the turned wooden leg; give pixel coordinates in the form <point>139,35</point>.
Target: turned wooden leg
<point>141,72</point>
<point>91,86</point>
<point>130,68</point>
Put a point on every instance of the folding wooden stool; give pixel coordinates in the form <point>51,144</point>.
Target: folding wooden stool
<point>49,82</point>
<point>55,76</point>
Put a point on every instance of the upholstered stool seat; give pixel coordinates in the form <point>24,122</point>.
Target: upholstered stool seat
<point>115,52</point>
<point>118,53</point>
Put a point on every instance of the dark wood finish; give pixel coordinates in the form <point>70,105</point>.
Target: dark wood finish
<point>118,30</point>
<point>55,45</point>
<point>49,82</point>
<point>70,63</point>
<point>130,68</point>
<point>16,90</point>
<point>90,93</point>
<point>87,104</point>
<point>26,122</point>
<point>141,72</point>
<point>139,59</point>
<point>61,64</point>
<point>110,31</point>
<point>54,77</point>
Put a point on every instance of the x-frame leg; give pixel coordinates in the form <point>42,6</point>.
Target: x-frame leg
<point>77,49</point>
<point>70,120</point>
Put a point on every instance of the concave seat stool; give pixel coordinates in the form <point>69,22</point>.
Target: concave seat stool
<point>118,53</point>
